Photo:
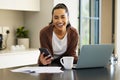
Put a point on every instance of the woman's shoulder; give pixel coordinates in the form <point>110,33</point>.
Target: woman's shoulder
<point>72,33</point>
<point>72,29</point>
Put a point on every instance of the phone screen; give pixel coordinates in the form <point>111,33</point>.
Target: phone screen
<point>46,52</point>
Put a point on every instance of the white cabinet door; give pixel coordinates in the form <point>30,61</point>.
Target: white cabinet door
<point>18,58</point>
<point>24,5</point>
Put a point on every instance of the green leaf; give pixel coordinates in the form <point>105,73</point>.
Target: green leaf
<point>21,32</point>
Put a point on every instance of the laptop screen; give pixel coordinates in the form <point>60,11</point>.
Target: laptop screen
<point>96,55</point>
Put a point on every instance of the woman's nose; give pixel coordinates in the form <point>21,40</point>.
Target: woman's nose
<point>59,20</point>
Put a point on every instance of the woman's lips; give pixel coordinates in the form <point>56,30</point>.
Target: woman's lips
<point>60,25</point>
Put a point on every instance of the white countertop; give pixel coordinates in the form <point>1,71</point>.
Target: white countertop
<point>9,52</point>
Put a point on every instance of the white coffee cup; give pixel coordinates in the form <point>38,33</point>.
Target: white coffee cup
<point>67,62</point>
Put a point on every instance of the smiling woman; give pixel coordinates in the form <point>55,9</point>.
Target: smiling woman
<point>59,37</point>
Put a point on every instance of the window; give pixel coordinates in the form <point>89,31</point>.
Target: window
<point>89,21</point>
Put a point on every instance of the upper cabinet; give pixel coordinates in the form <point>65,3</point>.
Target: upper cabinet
<point>23,5</point>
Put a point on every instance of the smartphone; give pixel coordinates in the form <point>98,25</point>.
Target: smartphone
<point>46,52</point>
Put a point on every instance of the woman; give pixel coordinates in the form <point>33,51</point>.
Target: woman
<point>59,37</point>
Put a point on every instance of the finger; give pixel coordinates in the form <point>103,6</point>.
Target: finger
<point>48,57</point>
<point>42,55</point>
<point>42,58</point>
<point>48,61</point>
<point>52,58</point>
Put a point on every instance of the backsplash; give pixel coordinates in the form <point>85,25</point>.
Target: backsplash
<point>11,20</point>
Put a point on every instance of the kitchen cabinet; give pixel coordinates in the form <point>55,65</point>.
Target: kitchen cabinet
<point>10,58</point>
<point>22,5</point>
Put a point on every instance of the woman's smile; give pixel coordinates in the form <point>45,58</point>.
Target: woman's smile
<point>60,24</point>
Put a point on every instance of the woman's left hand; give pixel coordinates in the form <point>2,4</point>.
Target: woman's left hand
<point>45,60</point>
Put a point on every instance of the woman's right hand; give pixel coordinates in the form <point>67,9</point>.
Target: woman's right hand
<point>45,60</point>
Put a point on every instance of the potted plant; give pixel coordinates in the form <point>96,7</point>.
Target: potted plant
<point>22,36</point>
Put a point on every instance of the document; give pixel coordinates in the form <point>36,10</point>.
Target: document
<point>38,69</point>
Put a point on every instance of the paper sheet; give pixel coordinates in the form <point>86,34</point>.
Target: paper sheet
<point>38,70</point>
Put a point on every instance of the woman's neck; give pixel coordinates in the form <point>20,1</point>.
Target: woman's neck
<point>60,33</point>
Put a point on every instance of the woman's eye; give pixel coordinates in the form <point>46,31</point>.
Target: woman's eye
<point>55,17</point>
<point>62,17</point>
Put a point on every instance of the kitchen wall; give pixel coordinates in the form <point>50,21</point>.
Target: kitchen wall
<point>106,21</point>
<point>35,21</point>
<point>11,19</point>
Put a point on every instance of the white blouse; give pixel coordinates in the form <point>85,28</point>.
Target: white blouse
<point>59,45</point>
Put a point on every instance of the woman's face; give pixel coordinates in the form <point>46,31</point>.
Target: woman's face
<point>60,19</point>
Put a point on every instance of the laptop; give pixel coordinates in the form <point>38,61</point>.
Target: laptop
<point>92,56</point>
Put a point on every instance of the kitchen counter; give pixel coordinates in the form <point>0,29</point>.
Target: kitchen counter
<point>10,58</point>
